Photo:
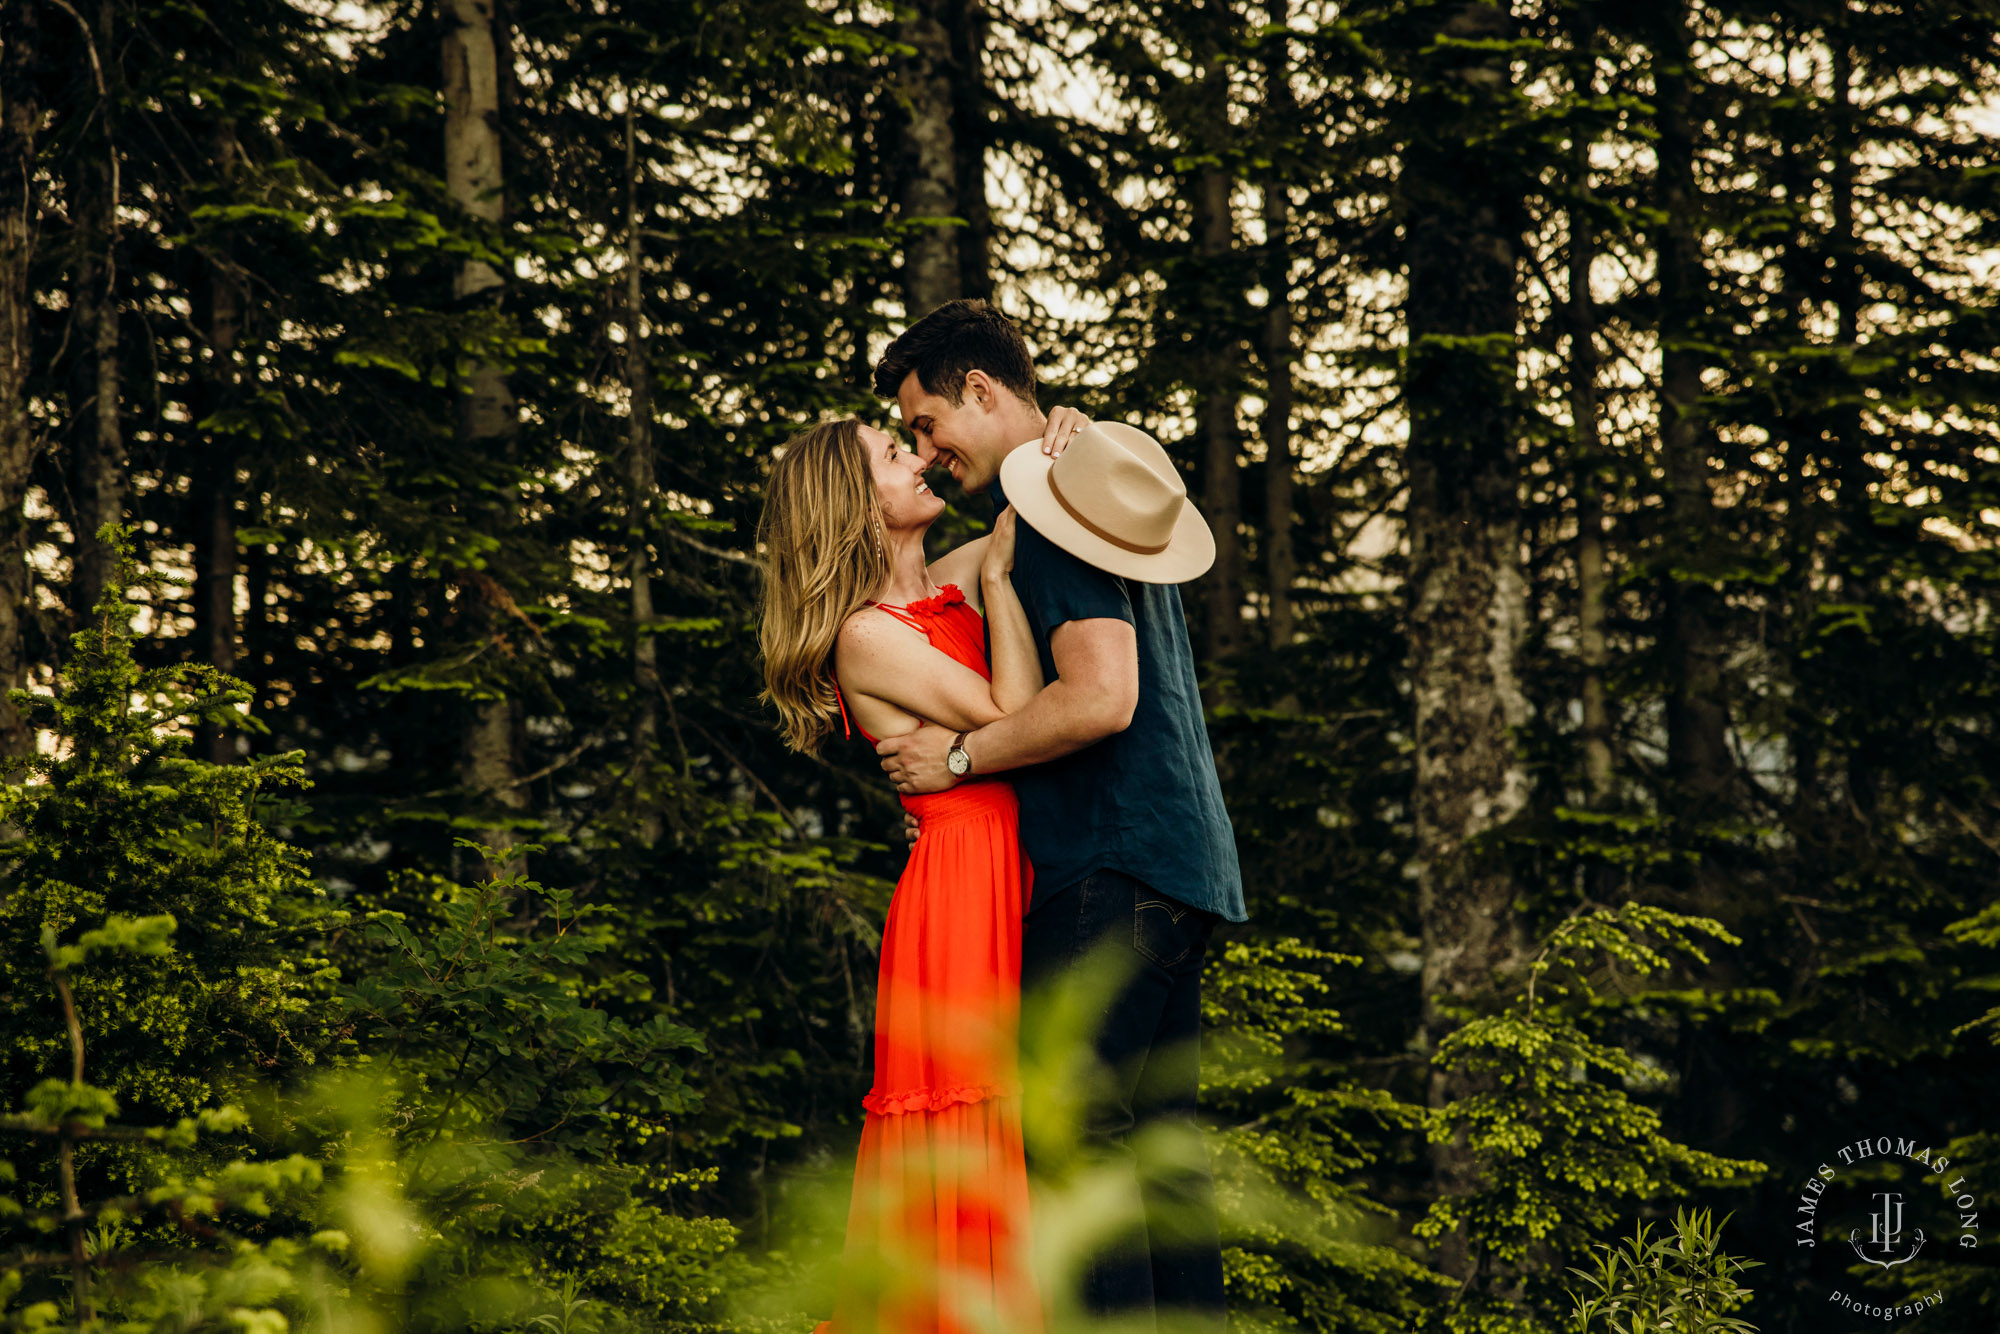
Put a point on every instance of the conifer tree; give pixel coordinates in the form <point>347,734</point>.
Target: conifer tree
<point>1460,199</point>
<point>120,820</point>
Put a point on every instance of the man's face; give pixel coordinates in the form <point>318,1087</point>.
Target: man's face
<point>955,437</point>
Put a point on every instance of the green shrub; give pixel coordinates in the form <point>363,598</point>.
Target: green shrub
<point>1678,1283</point>
<point>456,1139</point>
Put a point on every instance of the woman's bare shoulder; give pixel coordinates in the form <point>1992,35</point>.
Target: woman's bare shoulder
<point>871,633</point>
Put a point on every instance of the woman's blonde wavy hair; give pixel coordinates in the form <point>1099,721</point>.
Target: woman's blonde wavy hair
<point>823,555</point>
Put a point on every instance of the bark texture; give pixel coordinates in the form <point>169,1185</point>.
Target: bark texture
<point>213,491</point>
<point>1468,605</point>
<point>473,179</point>
<point>942,150</point>
<point>1697,719</point>
<point>1218,384</point>
<point>1855,477</point>
<point>640,488</point>
<point>20,208</point>
<point>97,444</point>
<point>1280,564</point>
<point>1587,474</point>
<point>489,759</point>
<point>970,135</point>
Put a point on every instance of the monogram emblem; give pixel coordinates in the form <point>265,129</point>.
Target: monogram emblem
<point>1885,1231</point>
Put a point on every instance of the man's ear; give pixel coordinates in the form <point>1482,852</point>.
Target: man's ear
<point>979,387</point>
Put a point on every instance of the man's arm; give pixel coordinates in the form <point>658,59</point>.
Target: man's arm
<point>1093,696</point>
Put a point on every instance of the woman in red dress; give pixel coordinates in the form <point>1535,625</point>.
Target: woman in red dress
<point>856,625</point>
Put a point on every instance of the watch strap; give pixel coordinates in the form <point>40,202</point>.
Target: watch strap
<point>958,745</point>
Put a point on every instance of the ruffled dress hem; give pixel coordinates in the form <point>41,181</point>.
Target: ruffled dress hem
<point>933,1100</point>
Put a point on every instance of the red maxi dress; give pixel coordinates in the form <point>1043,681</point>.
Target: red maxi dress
<point>937,1232</point>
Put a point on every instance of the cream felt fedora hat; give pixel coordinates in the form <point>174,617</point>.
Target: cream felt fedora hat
<point>1114,499</point>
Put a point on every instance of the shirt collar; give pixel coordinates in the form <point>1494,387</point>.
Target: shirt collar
<point>998,497</point>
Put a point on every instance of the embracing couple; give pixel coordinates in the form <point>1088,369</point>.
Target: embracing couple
<point>1033,696</point>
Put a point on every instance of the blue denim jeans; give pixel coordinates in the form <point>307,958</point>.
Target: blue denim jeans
<point>1147,1035</point>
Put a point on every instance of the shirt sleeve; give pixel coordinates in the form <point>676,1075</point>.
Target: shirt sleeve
<point>1060,587</point>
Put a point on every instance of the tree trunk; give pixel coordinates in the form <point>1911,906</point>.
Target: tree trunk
<point>1280,564</point>
<point>20,209</point>
<point>473,180</point>
<point>1468,600</point>
<point>639,477</point>
<point>1587,471</point>
<point>1700,768</point>
<point>255,628</point>
<point>970,135</point>
<point>1851,469</point>
<point>1697,719</point>
<point>213,477</point>
<point>1218,384</point>
<point>1854,476</point>
<point>1800,586</point>
<point>872,173</point>
<point>487,418</point>
<point>931,157</point>
<point>97,461</point>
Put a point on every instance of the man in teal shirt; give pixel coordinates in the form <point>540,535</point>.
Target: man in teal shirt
<point>1121,812</point>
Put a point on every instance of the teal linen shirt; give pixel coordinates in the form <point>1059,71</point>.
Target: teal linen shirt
<point>1146,800</point>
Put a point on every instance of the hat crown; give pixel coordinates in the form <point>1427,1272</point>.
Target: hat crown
<point>1113,499</point>
<point>1118,482</point>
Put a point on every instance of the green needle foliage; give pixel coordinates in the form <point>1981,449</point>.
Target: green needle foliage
<point>490,999</point>
<point>514,1121</point>
<point>1305,1247</point>
<point>117,820</point>
<point>108,1269</point>
<point>466,1122</point>
<point>1565,1145</point>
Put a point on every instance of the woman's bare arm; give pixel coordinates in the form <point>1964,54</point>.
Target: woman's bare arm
<point>879,658</point>
<point>1017,667</point>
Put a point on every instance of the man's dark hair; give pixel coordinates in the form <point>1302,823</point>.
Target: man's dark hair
<point>958,337</point>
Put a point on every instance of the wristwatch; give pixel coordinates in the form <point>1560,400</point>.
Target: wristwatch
<point>956,759</point>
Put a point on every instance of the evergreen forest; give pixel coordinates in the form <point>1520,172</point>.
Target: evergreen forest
<point>412,920</point>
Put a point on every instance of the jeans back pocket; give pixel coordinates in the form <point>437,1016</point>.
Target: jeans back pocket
<point>1159,929</point>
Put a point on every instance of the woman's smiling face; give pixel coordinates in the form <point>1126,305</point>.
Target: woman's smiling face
<point>907,501</point>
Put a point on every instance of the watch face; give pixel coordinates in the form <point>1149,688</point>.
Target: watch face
<point>958,762</point>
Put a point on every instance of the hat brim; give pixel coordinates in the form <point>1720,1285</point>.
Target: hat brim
<point>1024,476</point>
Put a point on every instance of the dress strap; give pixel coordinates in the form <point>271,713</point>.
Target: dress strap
<point>902,614</point>
<point>918,615</point>
<point>840,698</point>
